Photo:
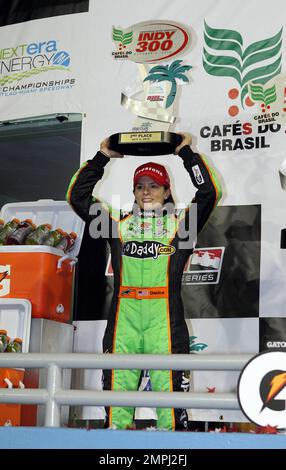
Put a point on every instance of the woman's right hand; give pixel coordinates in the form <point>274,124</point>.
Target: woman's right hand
<point>186,140</point>
<point>104,148</point>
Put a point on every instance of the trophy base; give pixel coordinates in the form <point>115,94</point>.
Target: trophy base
<point>145,144</point>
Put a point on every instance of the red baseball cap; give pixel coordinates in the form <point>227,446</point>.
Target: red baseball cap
<point>157,172</point>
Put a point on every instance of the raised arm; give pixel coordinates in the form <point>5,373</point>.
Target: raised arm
<point>203,178</point>
<point>79,194</point>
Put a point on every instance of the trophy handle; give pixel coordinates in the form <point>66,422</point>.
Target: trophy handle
<point>143,71</point>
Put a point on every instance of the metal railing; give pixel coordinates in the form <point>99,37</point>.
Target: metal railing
<point>54,396</point>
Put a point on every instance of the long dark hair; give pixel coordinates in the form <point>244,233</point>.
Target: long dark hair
<point>170,198</point>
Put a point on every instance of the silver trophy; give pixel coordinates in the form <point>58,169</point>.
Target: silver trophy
<point>156,87</point>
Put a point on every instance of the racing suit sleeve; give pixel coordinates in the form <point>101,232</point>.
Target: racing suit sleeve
<point>204,179</point>
<point>79,194</point>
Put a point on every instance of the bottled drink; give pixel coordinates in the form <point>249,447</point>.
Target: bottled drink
<point>15,346</point>
<point>3,340</point>
<point>54,237</point>
<point>39,235</point>
<point>67,242</point>
<point>8,229</point>
<point>24,229</point>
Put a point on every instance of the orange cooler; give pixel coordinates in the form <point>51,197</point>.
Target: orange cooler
<point>42,274</point>
<point>32,273</point>
<point>10,414</point>
<point>15,318</point>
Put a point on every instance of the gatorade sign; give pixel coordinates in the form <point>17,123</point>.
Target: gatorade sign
<point>5,280</point>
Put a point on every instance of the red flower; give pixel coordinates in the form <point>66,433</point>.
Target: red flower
<point>266,429</point>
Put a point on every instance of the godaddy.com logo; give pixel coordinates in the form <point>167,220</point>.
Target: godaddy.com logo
<point>25,60</point>
<point>225,55</point>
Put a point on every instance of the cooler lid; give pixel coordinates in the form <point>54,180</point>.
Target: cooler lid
<point>56,213</point>
<point>15,317</point>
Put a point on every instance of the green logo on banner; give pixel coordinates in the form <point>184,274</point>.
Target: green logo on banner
<point>226,56</point>
<point>123,38</point>
<point>260,94</point>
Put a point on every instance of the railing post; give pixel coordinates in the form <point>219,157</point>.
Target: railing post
<point>53,410</point>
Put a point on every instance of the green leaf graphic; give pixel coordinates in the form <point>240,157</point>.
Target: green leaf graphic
<point>223,45</point>
<point>262,71</point>
<point>263,80</point>
<point>253,64</point>
<point>262,55</point>
<point>127,38</point>
<point>222,60</point>
<point>119,36</point>
<point>264,44</point>
<point>224,34</point>
<point>222,71</point>
<point>258,93</point>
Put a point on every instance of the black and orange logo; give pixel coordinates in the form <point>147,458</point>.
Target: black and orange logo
<point>3,276</point>
<point>270,386</point>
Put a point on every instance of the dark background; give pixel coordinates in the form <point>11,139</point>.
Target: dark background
<point>238,229</point>
<point>271,329</point>
<point>18,11</point>
<point>38,157</point>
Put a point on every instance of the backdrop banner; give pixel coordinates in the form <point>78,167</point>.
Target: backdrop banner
<point>215,70</point>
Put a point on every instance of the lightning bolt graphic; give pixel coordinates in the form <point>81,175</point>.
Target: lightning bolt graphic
<point>277,383</point>
<point>3,275</point>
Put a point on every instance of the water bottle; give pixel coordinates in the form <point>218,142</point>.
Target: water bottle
<point>24,229</point>
<point>54,237</point>
<point>15,346</point>
<point>39,235</point>
<point>67,242</point>
<point>8,229</point>
<point>3,340</point>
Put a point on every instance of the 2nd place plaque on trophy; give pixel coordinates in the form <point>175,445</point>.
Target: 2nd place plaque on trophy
<point>145,143</point>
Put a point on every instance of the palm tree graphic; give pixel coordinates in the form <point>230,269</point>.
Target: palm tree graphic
<point>195,347</point>
<point>169,73</point>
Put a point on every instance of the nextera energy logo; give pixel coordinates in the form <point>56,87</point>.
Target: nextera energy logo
<point>27,60</point>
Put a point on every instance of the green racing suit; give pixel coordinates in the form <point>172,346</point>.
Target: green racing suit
<point>147,314</point>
